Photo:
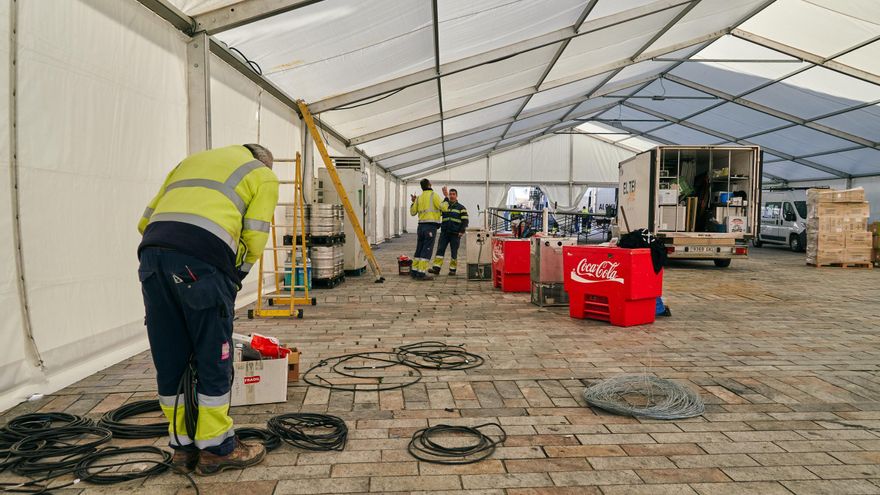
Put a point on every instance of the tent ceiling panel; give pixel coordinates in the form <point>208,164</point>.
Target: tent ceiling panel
<point>737,120</point>
<point>706,17</point>
<point>421,166</point>
<point>196,7</point>
<point>604,8</point>
<point>632,118</point>
<point>482,117</point>
<point>334,47</point>
<point>866,10</point>
<point>495,132</point>
<point>817,29</point>
<point>593,104</point>
<point>814,92</point>
<point>680,101</point>
<point>412,155</point>
<point>472,86</point>
<point>800,141</point>
<point>402,140</point>
<point>792,171</point>
<point>864,122</point>
<point>458,156</point>
<point>763,65</point>
<point>610,44</point>
<point>520,138</point>
<point>565,92</point>
<point>412,103</point>
<point>863,161</point>
<point>866,58</point>
<point>537,120</point>
<point>468,28</point>
<point>640,143</point>
<point>684,135</point>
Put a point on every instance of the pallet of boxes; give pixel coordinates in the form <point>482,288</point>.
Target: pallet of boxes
<point>837,228</point>
<point>875,252</point>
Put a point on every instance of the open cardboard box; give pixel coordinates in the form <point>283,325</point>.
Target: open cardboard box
<point>265,381</point>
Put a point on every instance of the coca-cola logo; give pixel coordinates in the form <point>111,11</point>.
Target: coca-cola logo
<point>250,380</point>
<point>603,271</point>
<point>497,252</point>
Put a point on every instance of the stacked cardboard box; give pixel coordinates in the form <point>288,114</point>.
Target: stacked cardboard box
<point>837,227</point>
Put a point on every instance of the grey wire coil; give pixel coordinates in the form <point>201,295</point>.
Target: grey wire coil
<point>645,396</point>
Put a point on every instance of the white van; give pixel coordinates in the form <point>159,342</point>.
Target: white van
<point>783,218</point>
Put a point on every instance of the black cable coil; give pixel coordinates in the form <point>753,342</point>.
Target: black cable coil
<point>85,468</point>
<point>373,362</point>
<point>424,445</point>
<point>293,428</point>
<point>438,356</point>
<point>269,440</point>
<point>113,421</point>
<point>27,424</point>
<point>56,450</point>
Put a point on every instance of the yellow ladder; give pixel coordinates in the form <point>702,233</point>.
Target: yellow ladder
<point>331,170</point>
<point>285,295</point>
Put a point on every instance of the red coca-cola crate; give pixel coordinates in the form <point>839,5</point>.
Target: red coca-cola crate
<point>611,284</point>
<point>511,264</point>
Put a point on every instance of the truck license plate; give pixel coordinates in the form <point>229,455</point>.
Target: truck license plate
<point>702,249</point>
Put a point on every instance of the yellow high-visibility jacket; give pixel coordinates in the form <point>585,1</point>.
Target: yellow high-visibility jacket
<point>429,207</point>
<point>225,191</point>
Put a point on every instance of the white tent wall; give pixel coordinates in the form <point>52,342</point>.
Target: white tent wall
<point>379,206</point>
<point>101,119</point>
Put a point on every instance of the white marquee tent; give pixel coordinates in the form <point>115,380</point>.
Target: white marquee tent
<point>104,96</point>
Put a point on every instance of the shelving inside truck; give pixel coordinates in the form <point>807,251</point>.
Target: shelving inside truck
<point>704,189</point>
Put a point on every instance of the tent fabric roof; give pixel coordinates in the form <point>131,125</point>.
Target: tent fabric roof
<point>436,82</point>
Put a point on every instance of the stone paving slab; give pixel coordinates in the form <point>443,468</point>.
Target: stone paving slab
<point>784,355</point>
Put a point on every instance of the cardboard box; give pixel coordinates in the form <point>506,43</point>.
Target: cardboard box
<point>735,224</point>
<point>293,365</point>
<point>855,195</point>
<point>259,382</point>
<point>860,240</point>
<point>858,255</point>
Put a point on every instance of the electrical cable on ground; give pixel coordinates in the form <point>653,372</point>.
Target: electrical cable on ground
<point>425,446</point>
<point>645,396</point>
<point>438,355</point>
<point>269,440</point>
<point>113,421</point>
<point>356,368</point>
<point>309,431</point>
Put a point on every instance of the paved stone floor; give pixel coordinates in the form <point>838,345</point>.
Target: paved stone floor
<point>784,355</point>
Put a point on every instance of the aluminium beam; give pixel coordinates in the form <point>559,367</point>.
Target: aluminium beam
<point>530,90</point>
<point>198,93</point>
<point>495,55</point>
<point>772,112</point>
<point>734,139</point>
<point>245,12</point>
<point>826,62</point>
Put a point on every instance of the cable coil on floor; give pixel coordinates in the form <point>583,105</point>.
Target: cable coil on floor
<point>425,445</point>
<point>438,356</point>
<point>309,431</point>
<point>269,440</point>
<point>645,396</point>
<point>113,421</point>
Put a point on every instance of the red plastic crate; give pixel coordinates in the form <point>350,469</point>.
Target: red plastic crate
<point>611,284</point>
<point>511,264</point>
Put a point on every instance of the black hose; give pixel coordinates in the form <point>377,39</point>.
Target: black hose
<point>379,360</point>
<point>438,356</point>
<point>269,440</point>
<point>425,447</point>
<point>113,421</point>
<point>28,424</point>
<point>85,468</point>
<point>299,430</point>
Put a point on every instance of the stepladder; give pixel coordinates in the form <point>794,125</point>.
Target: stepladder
<point>289,268</point>
<point>343,195</point>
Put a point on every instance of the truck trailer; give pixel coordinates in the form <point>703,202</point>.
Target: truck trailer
<point>702,201</point>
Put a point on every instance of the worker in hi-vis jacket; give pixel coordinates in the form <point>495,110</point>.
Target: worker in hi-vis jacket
<point>202,233</point>
<point>452,228</point>
<point>429,207</point>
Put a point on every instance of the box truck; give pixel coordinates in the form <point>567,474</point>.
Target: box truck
<point>703,201</point>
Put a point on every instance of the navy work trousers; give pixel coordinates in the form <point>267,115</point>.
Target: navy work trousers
<point>425,236</point>
<point>189,310</point>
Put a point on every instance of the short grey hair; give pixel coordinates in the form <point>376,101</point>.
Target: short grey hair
<point>261,153</point>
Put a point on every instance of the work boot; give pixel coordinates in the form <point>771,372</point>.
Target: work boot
<point>425,278</point>
<point>435,270</point>
<point>185,460</point>
<point>242,456</point>
<point>451,271</point>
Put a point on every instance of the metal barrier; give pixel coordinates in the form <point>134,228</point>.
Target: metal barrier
<point>589,228</point>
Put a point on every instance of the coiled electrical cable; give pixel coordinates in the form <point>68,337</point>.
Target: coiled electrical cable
<point>426,447</point>
<point>28,424</point>
<point>645,396</point>
<point>87,466</point>
<point>310,431</point>
<point>269,440</point>
<point>358,367</point>
<point>60,449</point>
<point>113,421</point>
<point>438,356</point>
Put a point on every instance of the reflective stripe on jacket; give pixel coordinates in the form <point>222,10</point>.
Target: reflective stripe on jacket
<point>455,220</point>
<point>429,207</point>
<point>224,191</point>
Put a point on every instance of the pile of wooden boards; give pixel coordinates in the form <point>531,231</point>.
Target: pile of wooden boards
<point>837,228</point>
